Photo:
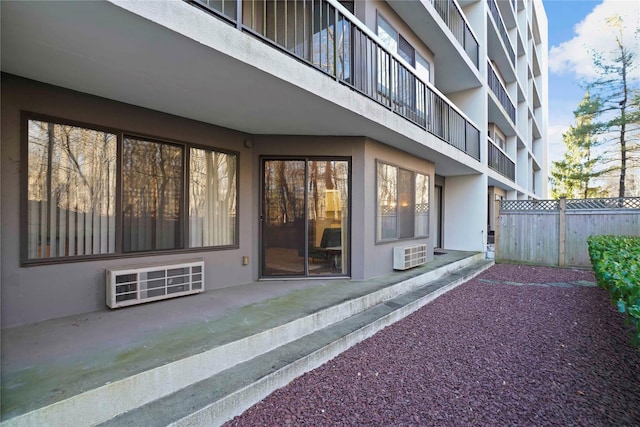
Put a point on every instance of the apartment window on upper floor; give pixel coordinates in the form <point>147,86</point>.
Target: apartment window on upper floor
<point>394,41</point>
<point>389,39</point>
<point>397,83</point>
<point>497,136</point>
<point>533,181</point>
<point>406,51</point>
<point>349,5</point>
<point>82,202</point>
<point>498,74</point>
<point>423,68</point>
<point>402,203</point>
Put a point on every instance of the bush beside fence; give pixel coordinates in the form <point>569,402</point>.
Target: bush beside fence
<point>616,263</point>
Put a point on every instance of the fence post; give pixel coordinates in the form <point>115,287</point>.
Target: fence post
<point>562,232</point>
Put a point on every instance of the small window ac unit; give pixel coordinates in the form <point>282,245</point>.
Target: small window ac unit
<point>145,283</point>
<point>405,257</point>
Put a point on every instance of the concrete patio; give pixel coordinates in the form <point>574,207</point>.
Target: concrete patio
<point>122,367</point>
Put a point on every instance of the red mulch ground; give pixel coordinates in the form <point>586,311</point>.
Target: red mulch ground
<point>489,353</point>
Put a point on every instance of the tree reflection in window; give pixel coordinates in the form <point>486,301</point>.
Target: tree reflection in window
<point>387,201</point>
<point>151,195</point>
<point>71,191</point>
<point>71,194</point>
<point>402,204</point>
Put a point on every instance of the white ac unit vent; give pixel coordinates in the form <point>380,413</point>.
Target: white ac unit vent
<point>145,283</point>
<point>405,257</point>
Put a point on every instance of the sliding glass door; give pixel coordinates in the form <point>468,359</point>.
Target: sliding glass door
<point>305,217</point>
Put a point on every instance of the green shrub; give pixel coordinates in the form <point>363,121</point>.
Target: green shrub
<point>616,263</point>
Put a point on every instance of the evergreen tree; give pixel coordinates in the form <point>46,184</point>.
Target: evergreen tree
<point>615,106</point>
<point>572,176</point>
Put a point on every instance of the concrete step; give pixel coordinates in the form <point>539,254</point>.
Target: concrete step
<point>238,372</point>
<point>228,393</point>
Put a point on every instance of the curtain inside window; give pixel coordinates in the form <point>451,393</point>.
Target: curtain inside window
<point>422,205</point>
<point>406,211</point>
<point>212,198</point>
<point>387,201</point>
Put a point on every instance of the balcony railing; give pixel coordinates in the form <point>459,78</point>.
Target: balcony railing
<point>325,35</point>
<point>454,18</point>
<point>501,93</point>
<point>500,162</point>
<point>502,30</point>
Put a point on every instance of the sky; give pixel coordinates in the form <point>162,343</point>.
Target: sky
<point>577,28</point>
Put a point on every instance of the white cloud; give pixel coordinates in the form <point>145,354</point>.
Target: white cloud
<point>556,144</point>
<point>594,34</point>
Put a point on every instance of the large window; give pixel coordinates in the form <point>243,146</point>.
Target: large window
<point>75,210</point>
<point>402,203</point>
<point>71,191</point>
<point>151,195</point>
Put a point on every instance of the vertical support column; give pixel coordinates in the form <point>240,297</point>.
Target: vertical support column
<point>335,42</point>
<point>562,232</point>
<point>239,16</point>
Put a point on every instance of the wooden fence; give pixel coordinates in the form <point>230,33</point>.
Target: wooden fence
<point>554,232</point>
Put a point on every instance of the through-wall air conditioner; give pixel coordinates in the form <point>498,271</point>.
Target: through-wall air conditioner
<point>405,257</point>
<point>145,283</point>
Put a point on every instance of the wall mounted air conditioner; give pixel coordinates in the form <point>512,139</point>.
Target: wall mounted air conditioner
<point>145,283</point>
<point>405,257</point>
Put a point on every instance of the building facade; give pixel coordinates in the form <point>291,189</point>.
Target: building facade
<point>293,139</point>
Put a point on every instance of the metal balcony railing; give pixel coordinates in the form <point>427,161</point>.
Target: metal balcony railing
<point>500,162</point>
<point>454,18</point>
<point>226,9</point>
<point>501,93</point>
<point>502,30</point>
<point>326,36</point>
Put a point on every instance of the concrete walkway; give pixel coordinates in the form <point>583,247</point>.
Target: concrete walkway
<point>61,371</point>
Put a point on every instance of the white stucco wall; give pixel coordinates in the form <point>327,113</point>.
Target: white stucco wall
<point>465,218</point>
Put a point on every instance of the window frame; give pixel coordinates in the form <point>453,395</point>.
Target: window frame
<point>414,173</point>
<point>121,134</point>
